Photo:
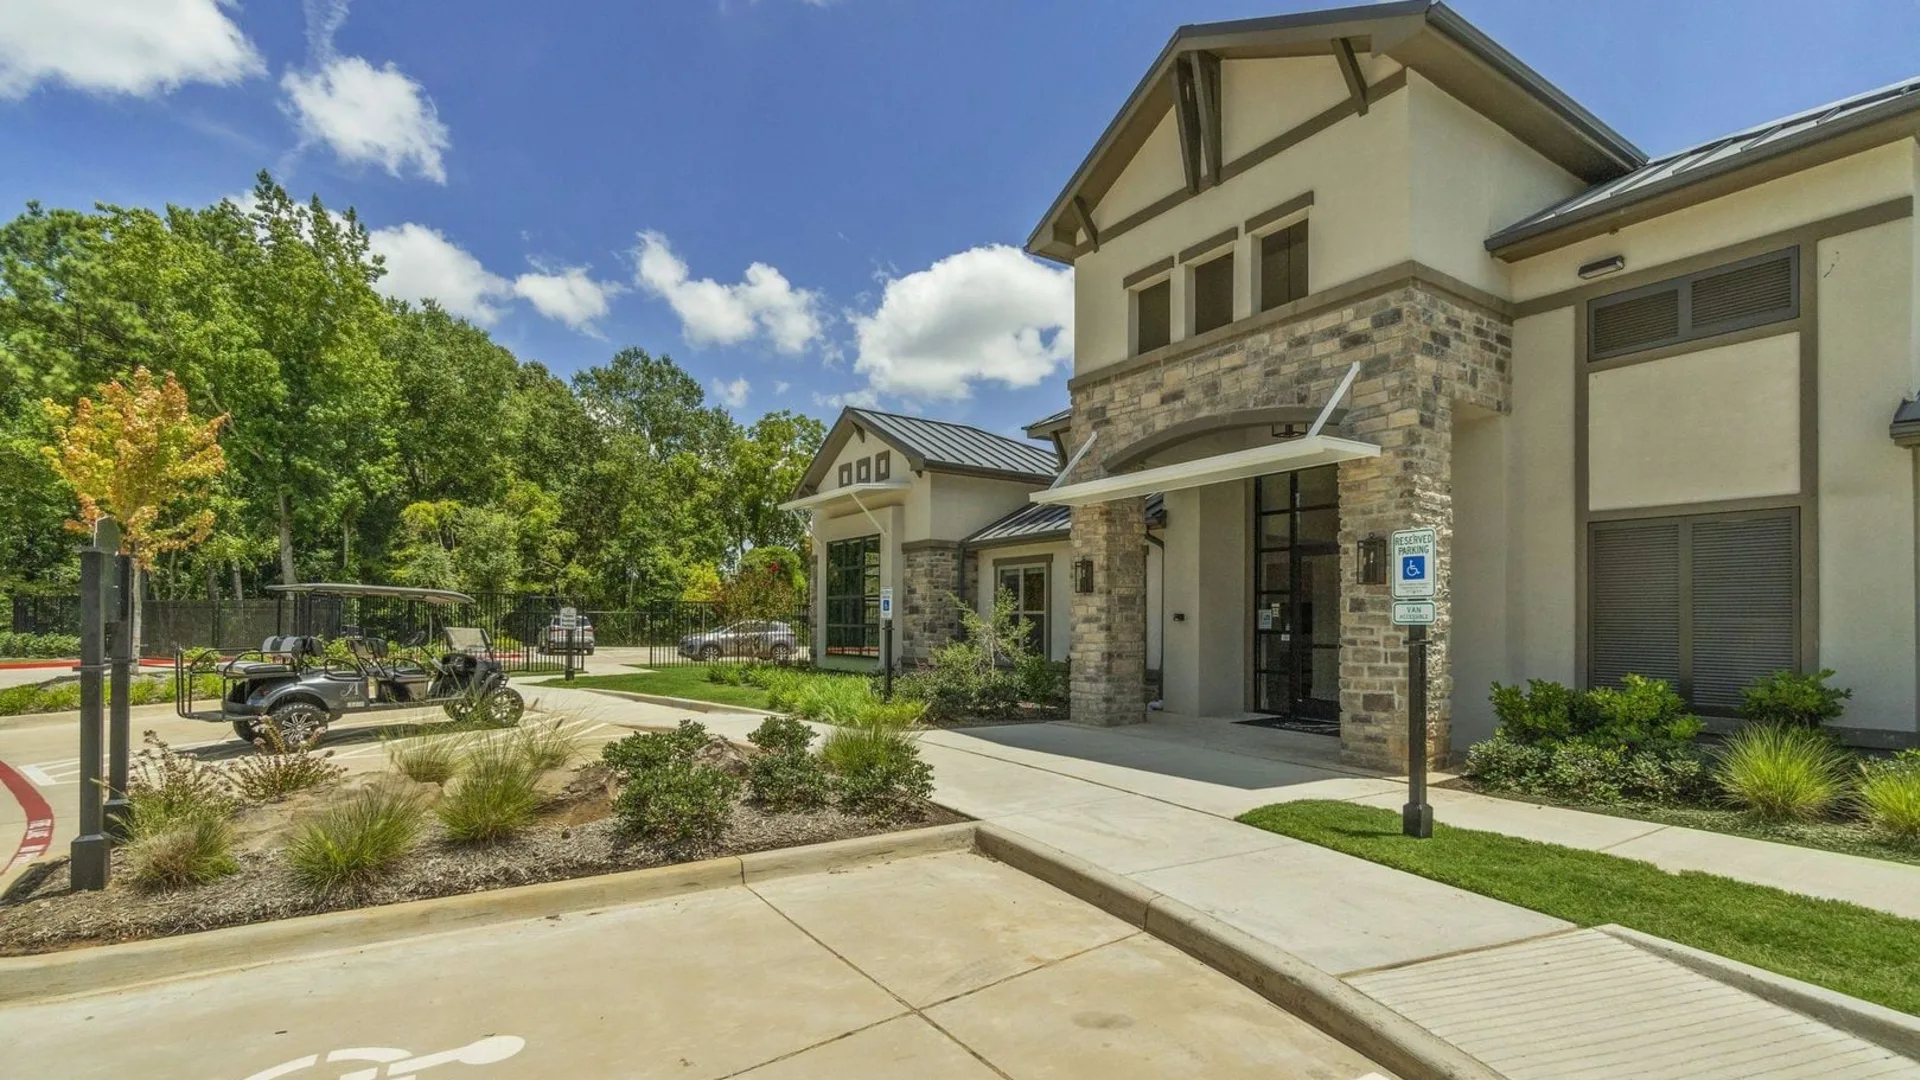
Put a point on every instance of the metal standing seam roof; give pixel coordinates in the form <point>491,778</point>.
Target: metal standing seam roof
<point>960,446</point>
<point>1719,156</point>
<point>1045,521</point>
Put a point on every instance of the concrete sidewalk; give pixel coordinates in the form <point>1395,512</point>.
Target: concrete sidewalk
<point>1154,803</point>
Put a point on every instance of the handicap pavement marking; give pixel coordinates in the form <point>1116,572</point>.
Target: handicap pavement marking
<point>392,1063</point>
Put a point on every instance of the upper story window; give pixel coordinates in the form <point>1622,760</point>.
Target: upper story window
<point>1283,267</point>
<point>1751,292</point>
<point>1213,293</point>
<point>1152,316</point>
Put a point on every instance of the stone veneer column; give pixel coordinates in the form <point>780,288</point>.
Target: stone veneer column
<point>1109,634</point>
<point>929,618</point>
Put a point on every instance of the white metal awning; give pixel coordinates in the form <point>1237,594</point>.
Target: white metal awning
<point>1290,456</point>
<point>873,489</point>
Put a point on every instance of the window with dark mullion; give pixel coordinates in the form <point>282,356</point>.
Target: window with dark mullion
<point>1708,603</point>
<point>1152,316</point>
<point>1283,266</point>
<point>853,597</point>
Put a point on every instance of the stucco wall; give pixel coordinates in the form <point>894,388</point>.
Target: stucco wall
<point>1867,597</point>
<point>1714,424</point>
<point>1864,179</point>
<point>1540,585</point>
<point>1471,178</point>
<point>959,506</point>
<point>1479,585</point>
<point>1359,173</point>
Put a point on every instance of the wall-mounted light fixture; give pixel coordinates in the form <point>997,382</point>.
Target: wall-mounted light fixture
<point>1083,575</point>
<point>1373,560</point>
<point>1612,264</point>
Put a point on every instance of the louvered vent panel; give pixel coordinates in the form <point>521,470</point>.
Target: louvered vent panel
<point>1743,605</point>
<point>1639,323</point>
<point>1635,602</point>
<point>1762,292</point>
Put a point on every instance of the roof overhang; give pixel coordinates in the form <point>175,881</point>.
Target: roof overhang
<point>1290,456</point>
<point>1428,37</point>
<point>873,493</point>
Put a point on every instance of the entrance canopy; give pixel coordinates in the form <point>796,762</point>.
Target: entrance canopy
<point>862,495</point>
<point>1290,456</point>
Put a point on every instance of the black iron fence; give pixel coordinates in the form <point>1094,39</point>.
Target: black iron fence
<point>523,626</point>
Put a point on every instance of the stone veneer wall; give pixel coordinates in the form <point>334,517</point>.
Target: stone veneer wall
<point>1422,351</point>
<point>928,616</point>
<point>1108,643</point>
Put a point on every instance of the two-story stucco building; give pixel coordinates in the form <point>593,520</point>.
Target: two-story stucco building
<point>1645,404</point>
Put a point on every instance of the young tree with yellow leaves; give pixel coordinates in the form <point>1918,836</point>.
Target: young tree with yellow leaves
<point>139,455</point>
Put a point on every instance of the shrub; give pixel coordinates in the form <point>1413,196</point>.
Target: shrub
<point>1506,763</point>
<point>1788,698</point>
<point>1042,681</point>
<point>830,700</point>
<point>352,844</point>
<point>1890,801</point>
<point>428,760</point>
<point>1641,713</point>
<point>186,852</point>
<point>1577,771</point>
<point>279,772</point>
<point>878,771</point>
<point>546,746</point>
<point>788,781</point>
<point>781,735</point>
<point>681,808</point>
<point>496,794</point>
<point>667,795</point>
<point>898,714</point>
<point>1781,772</point>
<point>16,700</point>
<point>21,646</point>
<point>166,786</point>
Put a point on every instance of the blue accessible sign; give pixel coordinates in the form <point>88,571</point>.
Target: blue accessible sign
<point>1413,564</point>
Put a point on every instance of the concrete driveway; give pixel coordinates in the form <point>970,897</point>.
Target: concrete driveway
<point>941,966</point>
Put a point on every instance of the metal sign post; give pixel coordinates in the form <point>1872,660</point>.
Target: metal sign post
<point>886,643</point>
<point>1414,566</point>
<point>122,656</point>
<point>91,852</point>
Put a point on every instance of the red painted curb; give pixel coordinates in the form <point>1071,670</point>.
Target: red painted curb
<point>39,833</point>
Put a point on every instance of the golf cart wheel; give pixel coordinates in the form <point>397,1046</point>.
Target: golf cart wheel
<point>298,725</point>
<point>709,653</point>
<point>503,707</point>
<point>247,730</point>
<point>780,653</point>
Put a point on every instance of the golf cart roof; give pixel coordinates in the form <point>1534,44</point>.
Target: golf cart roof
<point>442,597</point>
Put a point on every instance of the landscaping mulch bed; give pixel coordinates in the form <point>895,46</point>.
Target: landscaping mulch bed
<point>1845,837</point>
<point>574,838</point>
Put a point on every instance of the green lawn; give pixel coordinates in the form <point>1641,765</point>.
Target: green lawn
<point>1840,946</point>
<point>684,681</point>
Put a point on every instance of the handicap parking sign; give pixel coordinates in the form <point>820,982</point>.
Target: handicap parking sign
<point>1413,555</point>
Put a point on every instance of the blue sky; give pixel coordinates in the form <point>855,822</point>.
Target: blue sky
<point>802,201</point>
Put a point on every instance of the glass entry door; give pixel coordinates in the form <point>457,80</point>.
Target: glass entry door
<point>1296,581</point>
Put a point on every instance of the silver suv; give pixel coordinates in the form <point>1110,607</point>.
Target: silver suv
<point>568,631</point>
<point>758,639</point>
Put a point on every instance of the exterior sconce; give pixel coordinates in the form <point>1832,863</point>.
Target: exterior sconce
<point>1083,575</point>
<point>1612,264</point>
<point>1373,560</point>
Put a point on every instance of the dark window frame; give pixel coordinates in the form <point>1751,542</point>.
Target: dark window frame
<point>1039,621</point>
<point>1299,256</point>
<point>883,465</point>
<point>1686,331</point>
<point>863,471</point>
<point>1137,302</point>
<point>846,473</point>
<point>1199,303</point>
<point>852,618</point>
<point>1685,610</point>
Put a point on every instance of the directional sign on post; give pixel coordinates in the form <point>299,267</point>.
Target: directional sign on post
<point>886,603</point>
<point>1413,564</point>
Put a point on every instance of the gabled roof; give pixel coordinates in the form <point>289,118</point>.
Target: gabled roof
<point>1799,141</point>
<point>1047,426</point>
<point>934,444</point>
<point>1428,37</point>
<point>1048,521</point>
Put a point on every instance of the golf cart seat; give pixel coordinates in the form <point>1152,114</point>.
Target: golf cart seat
<point>279,655</point>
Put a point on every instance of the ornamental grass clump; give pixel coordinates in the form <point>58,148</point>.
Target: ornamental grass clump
<point>167,786</point>
<point>495,794</point>
<point>180,852</point>
<point>548,745</point>
<point>1889,798</point>
<point>431,759</point>
<point>350,845</point>
<point>279,772</point>
<point>1781,772</point>
<point>878,772</point>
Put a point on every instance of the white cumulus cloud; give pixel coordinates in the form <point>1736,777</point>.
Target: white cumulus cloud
<point>987,314</point>
<point>422,264</point>
<point>569,296</point>
<point>368,115</point>
<point>763,303</point>
<point>137,47</point>
<point>854,399</point>
<point>732,394</point>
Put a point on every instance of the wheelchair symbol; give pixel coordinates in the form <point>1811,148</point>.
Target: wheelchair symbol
<point>1413,567</point>
<point>395,1064</point>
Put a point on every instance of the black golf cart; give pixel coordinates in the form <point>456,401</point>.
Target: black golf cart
<point>284,694</point>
